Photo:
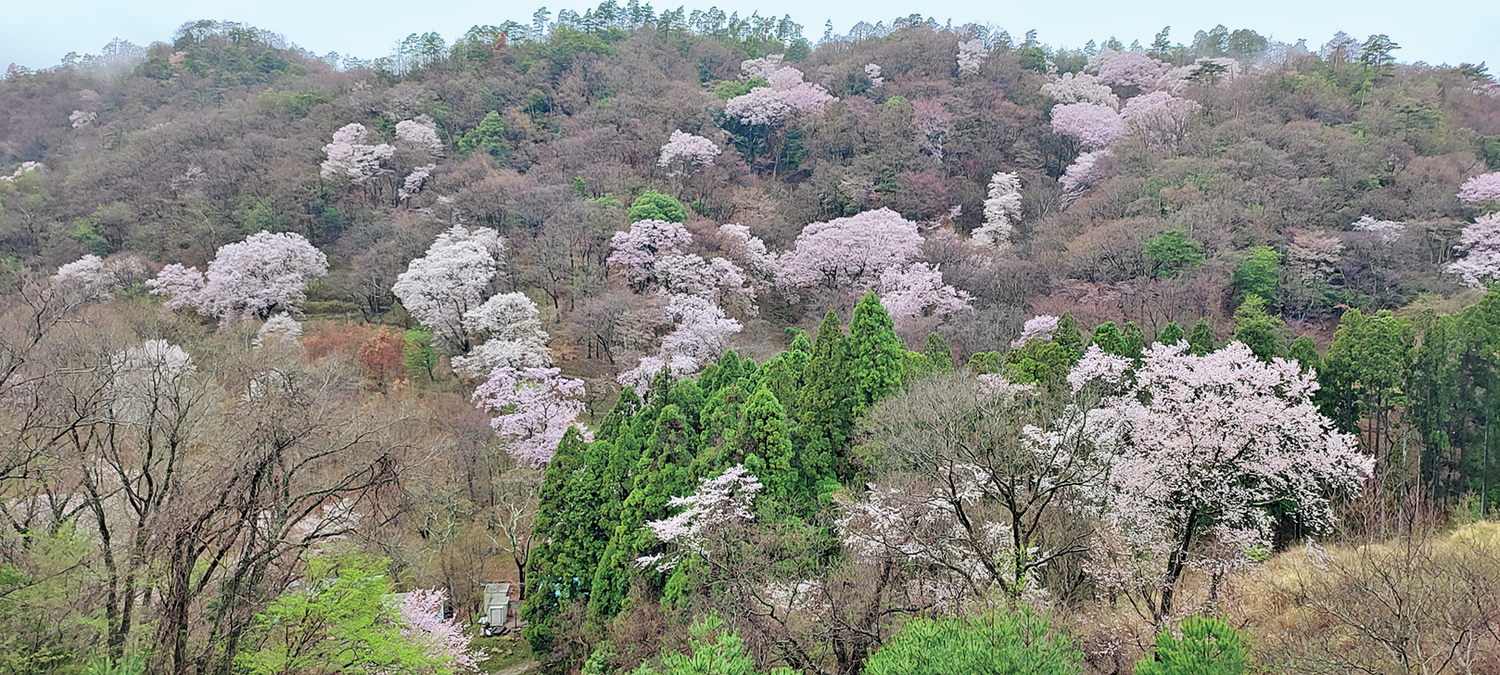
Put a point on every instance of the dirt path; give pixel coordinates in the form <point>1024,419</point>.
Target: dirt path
<point>519,668</point>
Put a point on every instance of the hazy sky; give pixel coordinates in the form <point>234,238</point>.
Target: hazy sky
<point>38,34</point>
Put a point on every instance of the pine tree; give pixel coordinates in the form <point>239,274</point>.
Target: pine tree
<point>1170,334</point>
<point>1305,352</point>
<point>874,354</point>
<point>939,356</point>
<point>1259,331</point>
<point>825,404</point>
<point>767,448</point>
<point>1069,337</point>
<point>572,530</point>
<point>1107,336</point>
<point>1201,340</point>
<point>1132,340</point>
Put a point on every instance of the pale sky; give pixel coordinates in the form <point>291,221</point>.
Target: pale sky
<point>38,34</point>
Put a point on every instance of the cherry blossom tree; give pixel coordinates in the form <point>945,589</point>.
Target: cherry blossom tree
<point>761,67</point>
<point>440,287</point>
<point>265,272</point>
<point>916,293</point>
<point>638,250</point>
<point>1038,327</point>
<point>761,106</point>
<point>350,157</point>
<point>850,253</point>
<point>534,408</point>
<point>1158,118</point>
<point>1128,69</point>
<point>25,168</point>
<point>509,334</point>
<point>1209,442</point>
<point>1480,265</point>
<point>414,181</point>
<point>720,501</point>
<point>872,71</point>
<point>933,124</point>
<point>282,327</point>
<point>749,250</point>
<point>1387,230</point>
<point>420,133</point>
<point>444,640</point>
<point>1479,188</point>
<point>1081,88</point>
<point>686,151</point>
<point>1002,210</point>
<point>700,337</point>
<point>1093,126</point>
<point>93,279</point>
<point>786,96</point>
<point>971,56</point>
<point>1081,175</point>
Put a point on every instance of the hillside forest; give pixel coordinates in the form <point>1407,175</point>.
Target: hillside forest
<point>921,349</point>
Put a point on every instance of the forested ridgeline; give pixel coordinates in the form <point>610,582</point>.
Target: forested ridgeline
<point>733,351</point>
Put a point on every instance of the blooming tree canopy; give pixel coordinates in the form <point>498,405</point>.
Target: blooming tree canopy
<point>638,250</point>
<point>440,287</point>
<point>444,640</point>
<point>265,272</point>
<point>350,157</point>
<point>719,501</point>
<point>1158,118</point>
<point>1038,327</point>
<point>534,406</point>
<point>1214,440</point>
<point>971,56</point>
<point>933,123</point>
<point>1128,69</point>
<point>1387,230</point>
<point>1480,265</point>
<point>851,252</point>
<point>1081,175</point>
<point>918,292</point>
<point>92,279</point>
<point>700,337</point>
<point>420,133</point>
<point>687,151</point>
<point>414,181</point>
<point>1481,187</point>
<point>1002,210</point>
<point>1093,126</point>
<point>512,336</point>
<point>786,96</point>
<point>282,327</point>
<point>872,71</point>
<point>1081,88</point>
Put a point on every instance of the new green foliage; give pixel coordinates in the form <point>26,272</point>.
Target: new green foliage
<point>1171,252</point>
<point>1259,331</point>
<point>1021,641</point>
<point>1208,646</point>
<point>1257,275</point>
<point>653,205</point>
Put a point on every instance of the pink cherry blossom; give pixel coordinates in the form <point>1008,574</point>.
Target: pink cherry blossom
<point>1128,69</point>
<point>440,287</point>
<point>266,271</point>
<point>535,407</point>
<point>1481,187</point>
<point>700,337</point>
<point>971,56</point>
<point>1212,439</point>
<point>688,151</point>
<point>1480,265</point>
<point>918,292</point>
<point>420,133</point>
<point>1002,210</point>
<point>850,253</point>
<point>350,157</point>
<point>1038,327</point>
<point>443,639</point>
<point>719,501</point>
<point>1081,175</point>
<point>1081,88</point>
<point>1093,126</point>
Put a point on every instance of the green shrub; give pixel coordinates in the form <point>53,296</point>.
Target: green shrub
<point>1208,647</point>
<point>1020,642</point>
